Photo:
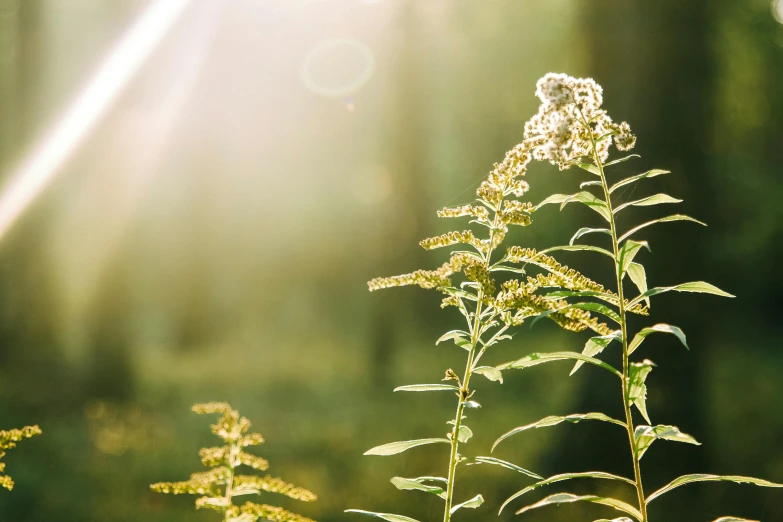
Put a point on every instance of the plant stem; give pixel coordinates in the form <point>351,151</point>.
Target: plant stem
<point>464,391</point>
<point>232,454</point>
<point>619,278</point>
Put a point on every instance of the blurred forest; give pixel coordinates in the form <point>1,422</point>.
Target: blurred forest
<point>212,238</point>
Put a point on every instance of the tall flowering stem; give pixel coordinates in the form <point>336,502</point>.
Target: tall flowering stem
<point>571,129</point>
<point>220,485</point>
<point>491,304</point>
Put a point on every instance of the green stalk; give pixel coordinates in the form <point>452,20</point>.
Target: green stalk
<point>464,391</point>
<point>626,402</point>
<point>232,454</point>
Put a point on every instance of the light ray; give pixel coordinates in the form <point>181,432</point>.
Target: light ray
<point>39,168</point>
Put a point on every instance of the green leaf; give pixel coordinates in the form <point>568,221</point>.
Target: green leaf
<point>627,252</point>
<point>562,477</point>
<point>700,477</point>
<point>417,484</point>
<point>593,183</point>
<point>596,345</point>
<point>675,217</point>
<point>452,335</point>
<point>394,448</point>
<point>649,174</point>
<point>472,504</point>
<point>535,359</point>
<point>504,268</point>
<point>565,498</point>
<point>637,390</point>
<point>426,387</point>
<point>621,519</point>
<point>503,464</point>
<point>592,169</point>
<point>585,230</point>
<point>554,420</point>
<point>553,199</point>
<point>660,327</point>
<point>734,519</point>
<point>493,374</point>
<point>385,516</point>
<point>620,160</point>
<point>589,200</point>
<point>472,404</point>
<point>644,436</point>
<point>655,199</point>
<point>639,277</point>
<point>464,433</point>
<point>576,248</point>
<point>596,308</point>
<point>695,286</point>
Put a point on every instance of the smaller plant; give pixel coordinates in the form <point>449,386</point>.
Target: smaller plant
<point>221,484</point>
<point>8,440</point>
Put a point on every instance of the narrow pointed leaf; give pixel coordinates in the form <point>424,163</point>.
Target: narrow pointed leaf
<point>675,217</point>
<point>734,519</point>
<point>402,483</point>
<point>535,359</point>
<point>593,183</point>
<point>554,420</point>
<point>562,477</point>
<point>493,374</point>
<point>472,504</point>
<point>566,498</point>
<point>649,174</point>
<point>589,200</point>
<point>620,160</point>
<point>585,230</point>
<point>503,464</point>
<point>662,328</point>
<point>628,251</point>
<point>394,448</point>
<point>701,477</point>
<point>577,248</point>
<point>637,390</point>
<point>695,286</point>
<point>390,517</point>
<point>621,519</point>
<point>426,387</point>
<point>452,335</point>
<point>639,277</point>
<point>644,436</point>
<point>554,199</point>
<point>592,169</point>
<point>655,199</point>
<point>596,345</point>
<point>597,308</point>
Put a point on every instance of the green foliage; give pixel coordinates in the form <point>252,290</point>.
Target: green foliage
<point>8,440</point>
<point>221,484</point>
<point>475,281</point>
<point>573,130</point>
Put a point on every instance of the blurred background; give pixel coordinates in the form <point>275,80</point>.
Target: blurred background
<point>209,236</point>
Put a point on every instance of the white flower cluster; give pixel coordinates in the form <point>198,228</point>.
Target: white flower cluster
<point>570,122</point>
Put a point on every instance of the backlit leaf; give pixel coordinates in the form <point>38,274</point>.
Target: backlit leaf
<point>655,199</point>
<point>417,484</point>
<point>701,477</point>
<point>649,174</point>
<point>627,252</point>
<point>620,160</point>
<point>426,387</point>
<point>472,504</point>
<point>639,277</point>
<point>695,286</point>
<point>562,477</point>
<point>644,436</point>
<point>662,328</point>
<point>565,498</point>
<point>554,420</point>
<point>390,517</point>
<point>637,390</point>
<point>675,217</point>
<point>493,374</point>
<point>585,230</point>
<point>596,345</point>
<point>577,248</point>
<point>535,359</point>
<point>394,448</point>
<point>503,464</point>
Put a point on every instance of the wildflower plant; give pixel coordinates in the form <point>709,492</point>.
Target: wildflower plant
<point>475,282</point>
<point>219,486</point>
<point>571,129</point>
<point>8,440</point>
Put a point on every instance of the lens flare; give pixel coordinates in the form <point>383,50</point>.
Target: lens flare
<point>39,168</point>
